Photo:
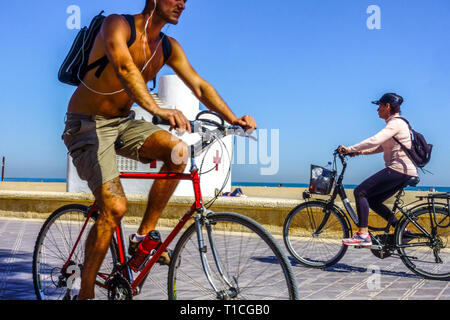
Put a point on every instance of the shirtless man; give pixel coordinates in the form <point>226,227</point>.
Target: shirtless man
<point>95,120</point>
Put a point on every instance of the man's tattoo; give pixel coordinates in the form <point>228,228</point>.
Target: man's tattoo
<point>115,189</point>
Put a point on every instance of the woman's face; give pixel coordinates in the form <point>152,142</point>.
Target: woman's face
<point>384,111</point>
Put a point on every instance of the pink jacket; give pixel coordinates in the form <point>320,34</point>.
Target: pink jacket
<point>394,157</point>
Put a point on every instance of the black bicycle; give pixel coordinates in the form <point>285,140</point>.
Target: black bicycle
<point>313,231</point>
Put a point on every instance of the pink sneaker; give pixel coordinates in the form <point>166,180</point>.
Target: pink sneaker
<point>358,240</point>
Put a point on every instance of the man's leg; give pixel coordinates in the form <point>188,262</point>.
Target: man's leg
<point>112,203</point>
<point>173,152</point>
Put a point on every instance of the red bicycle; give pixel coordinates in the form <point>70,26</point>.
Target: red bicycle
<point>219,256</point>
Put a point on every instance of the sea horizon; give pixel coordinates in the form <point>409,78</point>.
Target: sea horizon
<point>244,184</point>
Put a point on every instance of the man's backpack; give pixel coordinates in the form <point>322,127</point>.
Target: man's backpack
<point>75,65</point>
<point>420,152</point>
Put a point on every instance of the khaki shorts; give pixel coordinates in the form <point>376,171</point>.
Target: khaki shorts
<point>91,139</point>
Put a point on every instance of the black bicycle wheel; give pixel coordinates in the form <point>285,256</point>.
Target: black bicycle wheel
<point>310,248</point>
<point>56,240</point>
<point>252,262</point>
<point>426,253</point>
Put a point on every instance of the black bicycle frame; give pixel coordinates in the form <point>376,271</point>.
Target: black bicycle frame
<point>338,190</point>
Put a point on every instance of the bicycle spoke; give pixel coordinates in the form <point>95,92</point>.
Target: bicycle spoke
<point>425,254</point>
<point>56,241</point>
<point>314,250</point>
<point>249,264</point>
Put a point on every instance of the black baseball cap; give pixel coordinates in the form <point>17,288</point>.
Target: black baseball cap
<point>391,98</point>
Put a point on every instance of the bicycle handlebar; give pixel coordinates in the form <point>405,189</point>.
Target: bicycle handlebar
<point>346,154</point>
<point>198,125</point>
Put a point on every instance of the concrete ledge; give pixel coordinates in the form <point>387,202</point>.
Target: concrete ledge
<point>39,205</point>
<point>270,212</point>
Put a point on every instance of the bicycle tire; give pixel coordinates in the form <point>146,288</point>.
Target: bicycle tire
<point>237,238</point>
<point>421,259</point>
<point>315,250</point>
<point>57,231</point>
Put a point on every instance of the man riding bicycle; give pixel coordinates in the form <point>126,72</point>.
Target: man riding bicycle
<point>399,167</point>
<point>99,113</point>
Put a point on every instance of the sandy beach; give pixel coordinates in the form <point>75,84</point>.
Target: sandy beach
<point>264,192</point>
<point>33,186</point>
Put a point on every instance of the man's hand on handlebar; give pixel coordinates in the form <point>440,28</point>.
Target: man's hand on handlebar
<point>247,123</point>
<point>176,119</point>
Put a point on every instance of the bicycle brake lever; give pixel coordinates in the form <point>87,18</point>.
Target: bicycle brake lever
<point>238,131</point>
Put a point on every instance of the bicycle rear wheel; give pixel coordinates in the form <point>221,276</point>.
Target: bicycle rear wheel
<point>251,261</point>
<point>426,253</point>
<point>311,248</point>
<point>56,240</point>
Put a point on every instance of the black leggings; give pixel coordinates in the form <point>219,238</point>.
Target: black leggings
<point>374,191</point>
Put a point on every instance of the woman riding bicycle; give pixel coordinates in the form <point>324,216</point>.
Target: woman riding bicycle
<point>385,183</point>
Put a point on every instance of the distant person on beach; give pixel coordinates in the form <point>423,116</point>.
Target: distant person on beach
<point>399,168</point>
<point>236,193</point>
<point>95,121</point>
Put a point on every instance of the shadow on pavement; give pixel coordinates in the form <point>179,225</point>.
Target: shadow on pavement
<point>345,268</point>
<point>16,280</point>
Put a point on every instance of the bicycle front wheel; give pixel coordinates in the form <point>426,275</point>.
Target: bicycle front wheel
<point>424,249</point>
<point>313,236</point>
<point>243,262</point>
<point>54,244</point>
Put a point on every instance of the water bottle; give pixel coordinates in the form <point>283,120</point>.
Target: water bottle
<point>329,166</point>
<point>146,248</point>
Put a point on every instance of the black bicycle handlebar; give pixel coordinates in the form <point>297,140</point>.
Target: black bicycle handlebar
<point>157,120</point>
<point>198,125</point>
<point>346,154</point>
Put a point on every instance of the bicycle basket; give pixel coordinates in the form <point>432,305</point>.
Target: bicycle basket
<point>321,181</point>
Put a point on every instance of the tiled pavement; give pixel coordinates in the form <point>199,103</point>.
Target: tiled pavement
<point>359,275</point>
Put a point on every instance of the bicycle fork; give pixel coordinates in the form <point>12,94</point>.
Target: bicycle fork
<point>200,221</point>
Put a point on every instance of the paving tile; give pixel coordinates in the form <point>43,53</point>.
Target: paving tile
<point>347,280</point>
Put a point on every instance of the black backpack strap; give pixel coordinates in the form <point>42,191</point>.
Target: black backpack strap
<point>166,46</point>
<point>407,122</point>
<point>130,20</point>
<point>167,51</point>
<point>401,145</point>
<point>102,63</point>
<point>410,131</point>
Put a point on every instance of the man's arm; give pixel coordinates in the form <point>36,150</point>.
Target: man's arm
<point>115,32</point>
<point>204,91</point>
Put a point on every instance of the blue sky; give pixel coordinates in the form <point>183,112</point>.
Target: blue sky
<point>306,67</point>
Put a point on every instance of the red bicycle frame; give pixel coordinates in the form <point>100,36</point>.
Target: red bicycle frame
<point>197,205</point>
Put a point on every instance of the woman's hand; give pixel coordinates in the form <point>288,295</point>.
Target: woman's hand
<point>342,149</point>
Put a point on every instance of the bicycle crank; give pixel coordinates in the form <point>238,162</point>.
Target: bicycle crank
<point>119,288</point>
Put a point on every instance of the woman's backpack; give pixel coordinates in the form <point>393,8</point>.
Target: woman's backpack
<point>420,152</point>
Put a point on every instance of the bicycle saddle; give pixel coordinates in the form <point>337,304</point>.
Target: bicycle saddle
<point>412,182</point>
